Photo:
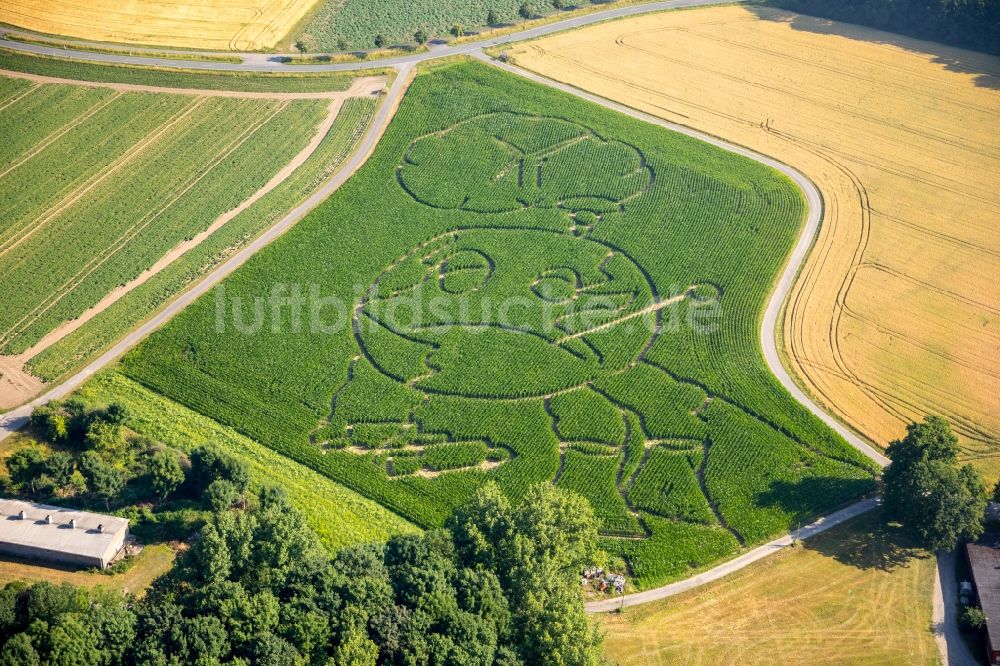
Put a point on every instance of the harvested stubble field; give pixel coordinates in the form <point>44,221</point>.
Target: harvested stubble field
<point>139,212</point>
<point>897,312</point>
<point>525,285</point>
<point>859,594</point>
<point>194,24</point>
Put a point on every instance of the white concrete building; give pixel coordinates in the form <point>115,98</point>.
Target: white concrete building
<point>56,534</point>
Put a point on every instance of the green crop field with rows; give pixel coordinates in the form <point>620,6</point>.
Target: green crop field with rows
<point>118,180</point>
<point>102,330</point>
<point>520,286</point>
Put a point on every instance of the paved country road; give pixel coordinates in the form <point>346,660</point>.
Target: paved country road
<point>271,62</point>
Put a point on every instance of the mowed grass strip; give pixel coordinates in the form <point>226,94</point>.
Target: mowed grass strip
<point>116,201</point>
<point>478,194</point>
<point>858,594</point>
<point>895,314</point>
<point>254,82</point>
<point>72,350</point>
<point>196,24</point>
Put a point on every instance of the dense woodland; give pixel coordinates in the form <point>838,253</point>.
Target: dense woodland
<point>972,24</point>
<point>499,586</point>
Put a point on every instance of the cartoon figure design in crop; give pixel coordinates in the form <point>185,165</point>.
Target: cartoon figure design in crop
<point>513,307</point>
<point>525,300</point>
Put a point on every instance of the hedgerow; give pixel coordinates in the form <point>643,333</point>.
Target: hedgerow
<point>606,259</point>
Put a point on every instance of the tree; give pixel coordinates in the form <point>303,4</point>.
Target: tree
<point>208,464</point>
<point>926,491</point>
<point>300,46</point>
<point>420,37</point>
<point>526,11</point>
<point>355,649</point>
<point>165,473</point>
<point>342,44</point>
<point>457,30</point>
<point>18,651</point>
<point>72,643</point>
<point>380,41</point>
<point>558,4</point>
<point>482,527</point>
<point>103,479</point>
<point>492,18</point>
<point>25,466</point>
<point>221,495</point>
<point>116,414</point>
<point>973,618</point>
<point>59,466</point>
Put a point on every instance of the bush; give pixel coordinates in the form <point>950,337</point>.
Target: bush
<point>973,618</point>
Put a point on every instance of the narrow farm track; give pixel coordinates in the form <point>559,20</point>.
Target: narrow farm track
<point>15,419</point>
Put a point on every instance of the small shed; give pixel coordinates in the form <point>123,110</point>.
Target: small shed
<point>57,534</point>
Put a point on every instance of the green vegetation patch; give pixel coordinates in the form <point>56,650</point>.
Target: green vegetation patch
<point>505,248</point>
<point>355,24</point>
<point>339,516</point>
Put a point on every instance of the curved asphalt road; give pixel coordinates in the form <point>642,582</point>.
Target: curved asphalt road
<point>264,62</point>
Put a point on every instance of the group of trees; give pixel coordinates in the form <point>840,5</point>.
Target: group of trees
<point>526,11</point>
<point>94,456</point>
<point>973,24</point>
<point>926,490</point>
<point>499,587</point>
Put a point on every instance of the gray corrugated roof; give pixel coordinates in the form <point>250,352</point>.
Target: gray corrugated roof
<point>34,532</point>
<point>984,559</point>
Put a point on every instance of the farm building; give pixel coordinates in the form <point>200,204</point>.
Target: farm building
<point>56,534</point>
<point>984,561</point>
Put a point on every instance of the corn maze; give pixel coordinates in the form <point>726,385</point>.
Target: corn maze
<point>532,289</point>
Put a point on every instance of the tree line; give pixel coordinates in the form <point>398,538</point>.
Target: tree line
<point>972,24</point>
<point>499,586</point>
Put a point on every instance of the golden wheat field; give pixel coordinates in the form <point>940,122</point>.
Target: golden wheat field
<point>897,312</point>
<point>198,24</point>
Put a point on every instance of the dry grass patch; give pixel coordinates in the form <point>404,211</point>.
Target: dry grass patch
<point>897,312</point>
<point>858,594</point>
<point>151,563</point>
<point>195,24</point>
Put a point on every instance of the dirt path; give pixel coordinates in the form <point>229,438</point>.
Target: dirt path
<point>18,385</point>
<point>358,88</point>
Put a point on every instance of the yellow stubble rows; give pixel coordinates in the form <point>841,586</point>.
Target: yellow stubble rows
<point>239,25</point>
<point>897,311</point>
